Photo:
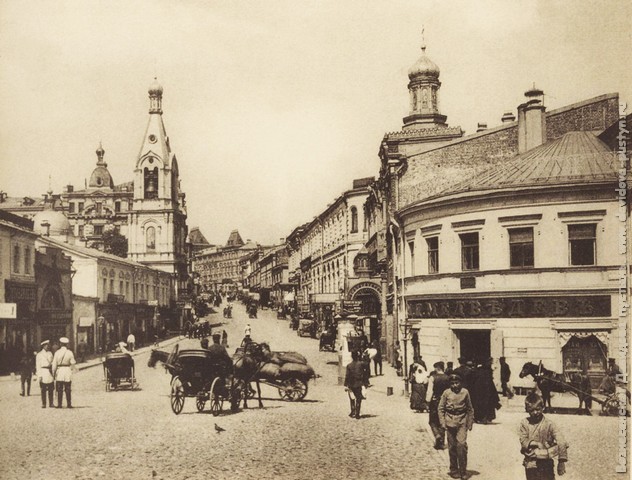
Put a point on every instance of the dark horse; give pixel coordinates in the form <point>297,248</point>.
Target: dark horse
<point>549,381</point>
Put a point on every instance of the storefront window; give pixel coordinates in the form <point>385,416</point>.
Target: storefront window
<point>581,240</point>
<point>521,247</point>
<point>433,254</point>
<point>469,251</point>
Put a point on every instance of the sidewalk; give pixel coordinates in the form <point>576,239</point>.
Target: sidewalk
<point>97,359</point>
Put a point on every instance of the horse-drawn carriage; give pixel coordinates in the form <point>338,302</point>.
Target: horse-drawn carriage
<point>288,372</point>
<point>118,371</point>
<point>549,381</point>
<point>196,374</point>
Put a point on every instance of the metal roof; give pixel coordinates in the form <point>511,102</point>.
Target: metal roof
<point>576,157</point>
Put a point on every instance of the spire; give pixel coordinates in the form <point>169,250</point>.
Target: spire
<point>423,39</point>
<point>50,187</point>
<point>155,97</point>
<point>100,153</point>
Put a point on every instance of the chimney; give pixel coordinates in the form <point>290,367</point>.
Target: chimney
<point>481,127</point>
<point>69,188</point>
<point>531,121</point>
<point>508,117</point>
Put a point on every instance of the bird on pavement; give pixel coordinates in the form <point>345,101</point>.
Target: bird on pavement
<point>219,429</point>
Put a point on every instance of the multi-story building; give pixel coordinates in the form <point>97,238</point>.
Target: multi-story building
<point>503,243</point>
<point>219,268</point>
<point>333,263</point>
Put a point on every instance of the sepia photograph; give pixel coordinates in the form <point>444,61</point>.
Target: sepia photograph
<point>325,240</point>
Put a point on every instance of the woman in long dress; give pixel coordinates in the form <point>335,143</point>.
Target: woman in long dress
<point>418,378</point>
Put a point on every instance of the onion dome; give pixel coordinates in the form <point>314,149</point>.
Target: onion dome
<point>155,88</point>
<point>51,222</point>
<point>423,67</point>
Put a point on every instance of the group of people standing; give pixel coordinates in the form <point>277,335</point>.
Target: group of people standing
<point>53,371</point>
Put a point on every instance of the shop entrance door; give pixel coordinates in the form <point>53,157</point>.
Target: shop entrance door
<point>586,355</point>
<point>474,345</point>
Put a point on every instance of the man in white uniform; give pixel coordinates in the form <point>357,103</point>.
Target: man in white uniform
<point>63,363</point>
<point>43,365</point>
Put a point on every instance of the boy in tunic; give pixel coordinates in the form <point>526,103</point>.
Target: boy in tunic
<point>540,442</point>
<point>457,417</point>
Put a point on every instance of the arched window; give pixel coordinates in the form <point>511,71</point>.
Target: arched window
<point>354,219</point>
<point>150,236</point>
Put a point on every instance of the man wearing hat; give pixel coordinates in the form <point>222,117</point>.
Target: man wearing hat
<point>63,361</point>
<point>439,382</point>
<point>43,365</point>
<point>220,356</point>
<point>465,372</point>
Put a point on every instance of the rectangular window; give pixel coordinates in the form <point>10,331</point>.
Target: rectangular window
<point>80,231</point>
<point>105,289</point>
<point>120,287</point>
<point>80,207</point>
<point>27,261</point>
<point>16,259</point>
<point>411,249</point>
<point>71,207</point>
<point>582,239</point>
<point>98,230</point>
<point>117,207</point>
<point>127,291</point>
<point>433,254</point>
<point>521,247</point>
<point>469,251</point>
<point>111,286</point>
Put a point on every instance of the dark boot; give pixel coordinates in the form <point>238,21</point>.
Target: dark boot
<point>68,401</point>
<point>60,397</point>
<point>358,405</point>
<point>352,408</point>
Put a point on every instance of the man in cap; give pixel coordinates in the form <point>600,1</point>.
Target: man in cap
<point>464,372</point>
<point>457,417</point>
<point>439,382</point>
<point>44,364</point>
<point>220,357</point>
<point>63,361</point>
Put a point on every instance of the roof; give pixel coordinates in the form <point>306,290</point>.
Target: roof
<point>197,237</point>
<point>234,240</point>
<point>576,157</point>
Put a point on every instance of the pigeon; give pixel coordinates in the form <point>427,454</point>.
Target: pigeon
<point>219,429</point>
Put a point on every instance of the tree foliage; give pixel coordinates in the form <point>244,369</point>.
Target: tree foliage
<point>114,243</point>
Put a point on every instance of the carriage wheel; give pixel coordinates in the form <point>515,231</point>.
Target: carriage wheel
<point>216,398</point>
<point>200,402</point>
<point>177,395</point>
<point>611,406</point>
<point>293,389</point>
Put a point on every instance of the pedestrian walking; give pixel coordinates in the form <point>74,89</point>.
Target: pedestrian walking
<point>457,417</point>
<point>505,376</point>
<point>131,342</point>
<point>397,358</point>
<point>438,383</point>
<point>63,363</point>
<point>485,396</point>
<point>224,339</point>
<point>247,333</point>
<point>419,384</point>
<point>44,365</point>
<point>27,369</point>
<point>377,359</point>
<point>465,372</point>
<point>355,379</point>
<point>540,442</point>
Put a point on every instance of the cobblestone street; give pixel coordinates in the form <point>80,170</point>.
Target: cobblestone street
<point>134,434</point>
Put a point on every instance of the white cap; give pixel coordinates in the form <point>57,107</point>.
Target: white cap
<point>45,342</point>
<point>64,340</point>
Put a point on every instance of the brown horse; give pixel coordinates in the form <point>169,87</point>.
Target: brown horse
<point>549,381</point>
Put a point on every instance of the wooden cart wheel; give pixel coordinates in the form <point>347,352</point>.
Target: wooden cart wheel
<point>177,395</point>
<point>611,406</point>
<point>293,389</point>
<point>200,401</point>
<point>216,398</point>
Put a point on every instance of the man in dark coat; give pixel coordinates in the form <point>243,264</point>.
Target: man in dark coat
<point>355,379</point>
<point>505,376</point>
<point>465,374</point>
<point>485,399</point>
<point>438,383</point>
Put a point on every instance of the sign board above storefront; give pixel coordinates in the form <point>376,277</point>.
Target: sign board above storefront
<point>8,310</point>
<point>511,307</point>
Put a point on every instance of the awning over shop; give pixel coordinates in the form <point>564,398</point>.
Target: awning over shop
<point>565,336</point>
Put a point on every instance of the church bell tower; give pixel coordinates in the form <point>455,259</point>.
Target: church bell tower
<point>157,224</point>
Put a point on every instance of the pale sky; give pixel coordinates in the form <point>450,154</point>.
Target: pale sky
<point>274,107</point>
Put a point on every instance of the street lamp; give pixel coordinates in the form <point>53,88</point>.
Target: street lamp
<point>100,322</point>
<point>405,329</point>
